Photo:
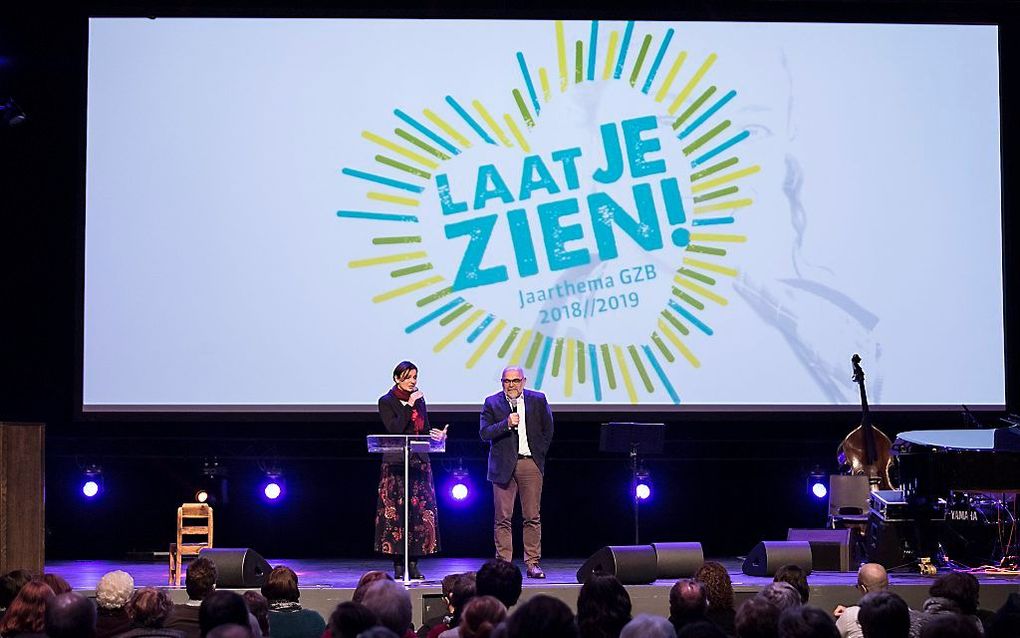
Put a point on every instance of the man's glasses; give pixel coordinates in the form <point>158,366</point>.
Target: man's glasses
<point>512,381</point>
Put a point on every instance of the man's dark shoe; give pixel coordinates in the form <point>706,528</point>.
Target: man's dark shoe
<point>414,572</point>
<point>534,571</point>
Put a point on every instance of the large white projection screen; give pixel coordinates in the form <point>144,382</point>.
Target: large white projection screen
<point>646,214</point>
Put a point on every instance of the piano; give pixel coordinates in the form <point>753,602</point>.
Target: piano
<point>933,463</point>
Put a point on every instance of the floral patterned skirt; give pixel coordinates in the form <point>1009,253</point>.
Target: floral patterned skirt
<point>389,515</point>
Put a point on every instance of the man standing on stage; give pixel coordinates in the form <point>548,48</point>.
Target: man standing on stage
<point>518,425</point>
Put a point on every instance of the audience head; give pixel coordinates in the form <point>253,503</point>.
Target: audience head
<point>379,632</point>
<point>872,577</point>
<point>542,616</point>
<point>603,607</point>
<point>806,622</point>
<point>718,586</point>
<point>950,626</point>
<point>391,604</point>
<point>959,587</point>
<point>648,626</point>
<point>149,607</point>
<point>27,612</point>
<point>458,589</point>
<point>114,589</point>
<point>500,579</point>
<point>230,630</point>
<point>57,583</point>
<point>281,584</point>
<point>10,584</point>
<point>480,616</point>
<point>795,576</point>
<point>883,614</point>
<point>758,618</point>
<point>701,629</point>
<point>366,581</point>
<point>200,579</point>
<point>70,615</point>
<point>782,595</point>
<point>350,619</point>
<point>688,601</point>
<point>258,606</point>
<point>1006,622</point>
<point>222,608</point>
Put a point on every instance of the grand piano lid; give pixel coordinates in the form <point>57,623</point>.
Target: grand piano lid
<point>948,439</point>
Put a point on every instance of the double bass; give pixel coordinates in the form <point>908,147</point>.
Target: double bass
<point>866,450</point>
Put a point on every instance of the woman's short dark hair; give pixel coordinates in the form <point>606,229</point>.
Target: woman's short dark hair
<point>350,619</point>
<point>281,584</point>
<point>960,587</point>
<point>149,607</point>
<point>542,615</point>
<point>403,368</point>
<point>603,607</point>
<point>795,576</point>
<point>366,581</point>
<point>259,607</point>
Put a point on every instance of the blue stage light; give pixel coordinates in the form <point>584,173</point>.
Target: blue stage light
<point>90,489</point>
<point>459,491</point>
<point>818,483</point>
<point>272,490</point>
<point>819,490</point>
<point>92,481</point>
<point>642,491</point>
<point>458,485</point>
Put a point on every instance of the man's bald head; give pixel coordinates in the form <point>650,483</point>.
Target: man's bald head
<point>872,577</point>
<point>70,615</point>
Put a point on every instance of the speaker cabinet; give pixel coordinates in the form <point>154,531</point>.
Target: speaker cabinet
<point>237,567</point>
<point>677,560</point>
<point>631,564</point>
<point>830,548</point>
<point>768,556</point>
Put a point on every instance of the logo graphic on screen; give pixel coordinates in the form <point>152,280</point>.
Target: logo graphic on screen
<point>582,230</point>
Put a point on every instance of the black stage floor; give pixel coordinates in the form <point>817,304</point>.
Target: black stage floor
<point>326,582</point>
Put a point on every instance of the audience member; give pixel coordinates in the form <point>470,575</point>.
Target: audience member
<point>954,593</point>
<point>366,581</point>
<point>782,595</point>
<point>883,614</point>
<point>148,610</point>
<point>113,592</point>
<point>1006,622</point>
<point>391,604</point>
<point>199,581</point>
<point>222,608</point>
<point>701,629</point>
<point>758,618</point>
<point>719,589</point>
<point>871,578</point>
<point>458,589</point>
<point>230,630</point>
<point>795,576</point>
<point>258,607</point>
<point>480,616</point>
<point>806,622</point>
<point>287,619</point>
<point>543,616</point>
<point>648,626</point>
<point>70,615</point>
<point>378,632</point>
<point>26,615</point>
<point>10,584</point>
<point>688,603</point>
<point>349,619</point>
<point>603,607</point>
<point>57,584</point>
<point>950,625</point>
<point>499,579</point>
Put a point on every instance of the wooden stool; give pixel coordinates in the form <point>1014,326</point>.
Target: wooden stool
<point>195,521</point>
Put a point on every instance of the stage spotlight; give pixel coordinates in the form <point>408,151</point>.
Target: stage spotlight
<point>458,485</point>
<point>214,484</point>
<point>818,483</point>
<point>201,496</point>
<point>272,488</point>
<point>642,485</point>
<point>11,114</point>
<point>92,483</point>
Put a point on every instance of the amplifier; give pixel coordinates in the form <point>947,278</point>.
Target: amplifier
<point>889,505</point>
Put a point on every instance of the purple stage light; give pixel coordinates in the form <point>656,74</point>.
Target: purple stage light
<point>459,491</point>
<point>642,491</point>
<point>272,490</point>
<point>819,490</point>
<point>90,489</point>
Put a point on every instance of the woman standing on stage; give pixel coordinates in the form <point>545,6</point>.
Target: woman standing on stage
<point>403,411</point>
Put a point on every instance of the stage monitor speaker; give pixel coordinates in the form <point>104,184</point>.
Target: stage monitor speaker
<point>677,560</point>
<point>768,556</point>
<point>830,548</point>
<point>237,567</point>
<point>631,564</point>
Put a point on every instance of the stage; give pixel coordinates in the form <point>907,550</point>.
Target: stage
<point>326,582</point>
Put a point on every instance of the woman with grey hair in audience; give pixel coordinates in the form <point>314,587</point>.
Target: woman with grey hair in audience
<point>648,626</point>
<point>113,592</point>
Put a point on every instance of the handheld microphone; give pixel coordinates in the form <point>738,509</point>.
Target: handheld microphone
<point>513,405</point>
